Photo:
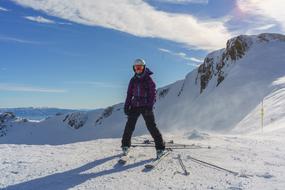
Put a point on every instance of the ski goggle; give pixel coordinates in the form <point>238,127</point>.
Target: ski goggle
<point>138,67</point>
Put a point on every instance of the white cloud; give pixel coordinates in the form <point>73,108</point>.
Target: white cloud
<point>25,88</point>
<point>164,50</point>
<point>3,9</point>
<point>273,9</point>
<point>184,56</point>
<point>39,19</point>
<point>96,83</point>
<point>196,60</point>
<point>138,18</point>
<point>64,23</point>
<point>259,29</point>
<point>265,27</point>
<point>17,40</point>
<point>185,1</point>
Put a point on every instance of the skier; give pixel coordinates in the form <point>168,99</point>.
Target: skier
<point>140,100</point>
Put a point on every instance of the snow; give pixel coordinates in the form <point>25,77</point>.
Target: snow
<point>260,160</point>
<point>80,150</point>
<point>196,135</point>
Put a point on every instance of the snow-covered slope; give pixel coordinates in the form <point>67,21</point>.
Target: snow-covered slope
<point>223,95</point>
<point>226,89</point>
<point>231,83</point>
<point>56,130</point>
<point>90,165</point>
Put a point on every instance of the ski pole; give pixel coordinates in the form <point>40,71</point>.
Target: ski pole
<point>182,165</point>
<point>262,115</point>
<point>212,165</point>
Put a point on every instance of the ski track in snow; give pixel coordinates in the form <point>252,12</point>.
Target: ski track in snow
<point>93,165</point>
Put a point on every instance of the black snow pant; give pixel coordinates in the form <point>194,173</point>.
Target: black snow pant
<point>150,123</point>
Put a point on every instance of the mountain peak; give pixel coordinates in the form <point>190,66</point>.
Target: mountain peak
<point>236,48</point>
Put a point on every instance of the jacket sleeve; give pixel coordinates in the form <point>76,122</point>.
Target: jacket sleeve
<point>129,95</point>
<point>151,93</point>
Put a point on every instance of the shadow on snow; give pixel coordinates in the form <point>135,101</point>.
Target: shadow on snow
<point>74,177</point>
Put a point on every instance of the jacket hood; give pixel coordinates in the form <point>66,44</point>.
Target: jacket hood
<point>147,71</point>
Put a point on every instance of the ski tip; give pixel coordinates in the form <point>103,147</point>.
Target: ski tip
<point>122,161</point>
<point>149,166</point>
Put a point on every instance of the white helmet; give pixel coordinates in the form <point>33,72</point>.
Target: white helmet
<point>139,62</point>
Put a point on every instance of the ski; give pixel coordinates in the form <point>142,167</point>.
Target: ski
<point>156,161</point>
<point>169,144</point>
<point>172,147</point>
<point>151,142</point>
<point>123,159</point>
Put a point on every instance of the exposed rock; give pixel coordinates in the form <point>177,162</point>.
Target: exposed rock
<point>106,113</point>
<point>205,70</point>
<point>266,37</point>
<point>182,88</point>
<point>236,48</point>
<point>162,93</point>
<point>3,130</point>
<point>59,114</point>
<point>25,120</point>
<point>5,119</point>
<point>6,116</point>
<point>76,120</point>
<point>213,66</point>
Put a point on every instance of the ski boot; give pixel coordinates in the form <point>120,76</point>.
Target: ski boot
<point>160,153</point>
<point>125,150</point>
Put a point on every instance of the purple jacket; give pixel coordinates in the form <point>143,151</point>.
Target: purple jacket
<point>141,91</point>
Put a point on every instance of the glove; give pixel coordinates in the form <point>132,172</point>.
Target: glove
<point>127,110</point>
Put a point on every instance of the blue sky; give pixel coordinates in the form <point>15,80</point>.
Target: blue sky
<point>79,54</point>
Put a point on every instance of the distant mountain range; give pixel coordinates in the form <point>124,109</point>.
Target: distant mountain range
<point>32,113</point>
